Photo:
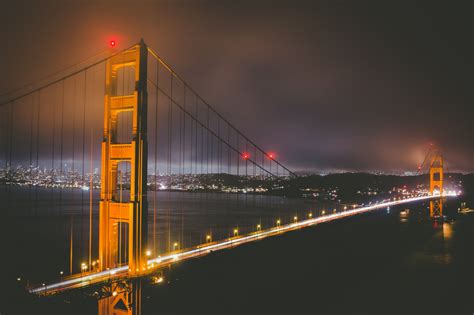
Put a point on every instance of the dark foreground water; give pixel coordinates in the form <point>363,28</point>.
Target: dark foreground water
<point>378,263</point>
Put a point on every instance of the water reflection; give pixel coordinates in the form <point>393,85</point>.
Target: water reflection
<point>404,215</point>
<point>447,231</point>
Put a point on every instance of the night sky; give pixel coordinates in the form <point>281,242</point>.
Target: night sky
<point>328,85</point>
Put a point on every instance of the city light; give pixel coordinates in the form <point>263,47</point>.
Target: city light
<point>156,280</point>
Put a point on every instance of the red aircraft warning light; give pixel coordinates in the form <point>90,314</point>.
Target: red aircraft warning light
<point>271,155</point>
<point>112,43</point>
<point>245,155</point>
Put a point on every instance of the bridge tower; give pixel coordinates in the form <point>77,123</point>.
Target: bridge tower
<point>436,182</point>
<point>113,212</point>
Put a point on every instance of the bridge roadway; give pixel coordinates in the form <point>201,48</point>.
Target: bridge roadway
<point>91,278</point>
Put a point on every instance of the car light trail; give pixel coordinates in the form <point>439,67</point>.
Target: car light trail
<point>85,279</point>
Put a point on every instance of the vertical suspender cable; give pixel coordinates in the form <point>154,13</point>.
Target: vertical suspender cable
<point>255,164</point>
<point>37,147</point>
<point>61,153</point>
<point>212,152</point>
<point>170,147</point>
<point>238,155</point>
<point>10,153</point>
<point>207,142</point>
<point>83,161</point>
<point>155,249</point>
<point>196,138</point>
<point>5,137</point>
<point>219,145</point>
<point>191,152</point>
<point>91,185</point>
<point>73,172</point>
<point>53,177</point>
<point>183,155</point>
<point>228,151</point>
<point>71,235</point>
<point>202,151</point>
<point>31,135</point>
<point>30,165</point>
<point>10,133</point>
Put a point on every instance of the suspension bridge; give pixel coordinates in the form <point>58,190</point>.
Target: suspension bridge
<point>120,128</point>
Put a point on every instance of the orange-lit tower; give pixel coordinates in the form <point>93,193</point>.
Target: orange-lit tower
<point>114,212</point>
<point>436,183</point>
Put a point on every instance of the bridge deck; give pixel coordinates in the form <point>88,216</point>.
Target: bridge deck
<point>87,279</point>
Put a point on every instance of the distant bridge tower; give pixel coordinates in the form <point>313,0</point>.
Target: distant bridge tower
<point>436,183</point>
<point>114,212</point>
